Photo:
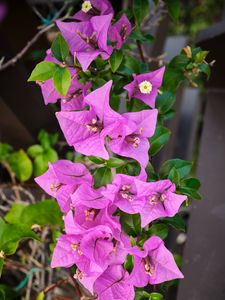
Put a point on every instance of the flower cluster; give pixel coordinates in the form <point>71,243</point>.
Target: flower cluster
<point>94,240</point>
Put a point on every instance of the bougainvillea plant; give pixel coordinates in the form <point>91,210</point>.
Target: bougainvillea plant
<point>112,112</point>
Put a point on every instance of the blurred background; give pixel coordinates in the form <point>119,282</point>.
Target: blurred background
<point>198,128</point>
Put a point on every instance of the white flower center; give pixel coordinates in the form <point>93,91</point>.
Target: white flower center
<point>145,87</point>
<point>86,6</point>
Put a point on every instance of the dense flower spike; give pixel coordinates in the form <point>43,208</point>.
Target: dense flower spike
<point>154,265</point>
<point>87,39</point>
<point>145,86</point>
<point>93,8</point>
<point>120,31</point>
<point>62,179</point>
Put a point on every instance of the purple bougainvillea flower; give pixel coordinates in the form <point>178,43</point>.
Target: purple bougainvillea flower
<point>86,130</point>
<point>154,265</point>
<point>62,179</point>
<point>93,8</point>
<point>88,39</point>
<point>74,99</point>
<point>123,193</point>
<point>132,141</point>
<point>119,32</point>
<point>90,197</point>
<point>160,200</point>
<point>113,284</point>
<point>145,86</point>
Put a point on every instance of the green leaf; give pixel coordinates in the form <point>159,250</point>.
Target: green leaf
<point>35,150</point>
<point>40,165</point>
<point>158,229</point>
<point>62,80</point>
<point>159,139</point>
<point>43,213</point>
<point>191,193</point>
<point>102,176</point>
<point>131,224</point>
<point>12,234</point>
<point>176,222</point>
<point>140,9</point>
<point>21,165</point>
<point>43,71</point>
<point>115,60</point>
<point>14,214</point>
<point>60,49</point>
<point>192,183</point>
<point>173,8</point>
<point>183,167</point>
<point>5,150</point>
<point>96,160</point>
<point>51,155</point>
<point>165,102</point>
<point>204,68</point>
<point>129,263</point>
<point>114,162</point>
<point>156,296</point>
<point>200,56</point>
<point>137,35</point>
<point>174,176</point>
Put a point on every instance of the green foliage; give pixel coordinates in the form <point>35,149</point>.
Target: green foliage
<point>173,8</point>
<point>114,162</point>
<point>131,224</point>
<point>5,150</point>
<point>12,234</point>
<point>159,139</point>
<point>115,60</point>
<point>156,296</point>
<point>176,222</point>
<point>44,153</point>
<point>140,10</point>
<point>43,71</point>
<point>102,176</point>
<point>137,35</point>
<point>158,229</point>
<point>62,80</point>
<point>21,165</point>
<point>42,213</point>
<point>60,49</point>
<point>182,166</point>
<point>165,102</point>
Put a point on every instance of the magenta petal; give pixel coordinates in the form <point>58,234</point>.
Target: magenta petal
<point>86,58</point>
<point>138,277</point>
<point>63,255</point>
<point>101,25</point>
<point>49,92</point>
<point>145,119</point>
<point>90,197</point>
<point>113,284</point>
<point>165,266</point>
<point>99,101</point>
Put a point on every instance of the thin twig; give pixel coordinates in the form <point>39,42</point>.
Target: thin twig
<point>54,285</point>
<point>31,42</point>
<point>141,51</point>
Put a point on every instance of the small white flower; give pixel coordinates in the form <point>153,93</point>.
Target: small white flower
<point>2,254</point>
<point>145,87</point>
<point>86,6</point>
